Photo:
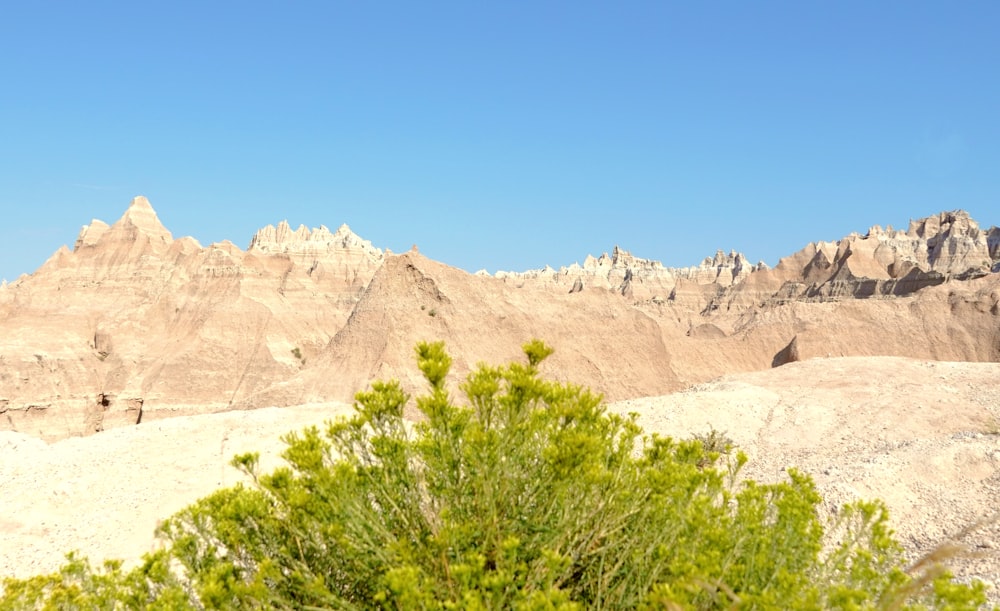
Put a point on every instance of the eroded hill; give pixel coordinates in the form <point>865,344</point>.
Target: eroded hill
<point>133,325</point>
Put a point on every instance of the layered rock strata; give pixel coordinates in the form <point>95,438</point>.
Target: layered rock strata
<point>133,325</point>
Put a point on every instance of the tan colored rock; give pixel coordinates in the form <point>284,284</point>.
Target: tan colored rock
<point>132,316</point>
<point>879,264</point>
<point>412,298</point>
<point>639,279</point>
<point>133,326</point>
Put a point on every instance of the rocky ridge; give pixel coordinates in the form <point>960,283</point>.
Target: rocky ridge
<point>880,263</point>
<point>133,325</point>
<point>640,279</point>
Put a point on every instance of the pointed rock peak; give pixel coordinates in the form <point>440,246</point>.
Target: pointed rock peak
<point>58,259</point>
<point>620,256</point>
<point>956,221</point>
<point>139,202</point>
<point>141,216</point>
<point>283,239</point>
<point>91,234</point>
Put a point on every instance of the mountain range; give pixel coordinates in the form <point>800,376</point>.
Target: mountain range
<point>872,363</point>
<point>132,324</point>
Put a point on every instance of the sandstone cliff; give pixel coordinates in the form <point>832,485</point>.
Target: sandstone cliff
<point>133,324</point>
<point>639,279</point>
<point>603,340</point>
<point>881,263</point>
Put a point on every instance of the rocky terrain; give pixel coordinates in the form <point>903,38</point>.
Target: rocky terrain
<point>133,325</point>
<point>922,435</point>
<point>872,362</point>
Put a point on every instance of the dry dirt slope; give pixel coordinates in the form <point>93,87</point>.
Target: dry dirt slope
<point>921,435</point>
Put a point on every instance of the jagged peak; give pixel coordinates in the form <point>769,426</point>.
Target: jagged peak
<point>56,259</point>
<point>141,216</point>
<point>282,238</point>
<point>948,222</point>
<point>621,258</point>
<point>90,234</point>
<point>732,259</point>
<point>876,231</point>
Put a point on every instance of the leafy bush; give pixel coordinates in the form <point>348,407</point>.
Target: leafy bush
<point>529,496</point>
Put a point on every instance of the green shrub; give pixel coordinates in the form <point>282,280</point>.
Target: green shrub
<point>529,496</point>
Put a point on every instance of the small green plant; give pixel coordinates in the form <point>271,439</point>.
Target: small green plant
<point>715,444</point>
<point>991,425</point>
<point>715,441</point>
<point>298,354</point>
<point>526,495</point>
<point>432,312</point>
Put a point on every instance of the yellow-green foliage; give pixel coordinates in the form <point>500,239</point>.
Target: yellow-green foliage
<point>526,495</point>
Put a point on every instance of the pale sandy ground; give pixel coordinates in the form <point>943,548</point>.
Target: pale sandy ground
<point>923,436</point>
<point>104,494</point>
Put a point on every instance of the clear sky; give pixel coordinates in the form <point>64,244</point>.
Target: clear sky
<point>499,135</point>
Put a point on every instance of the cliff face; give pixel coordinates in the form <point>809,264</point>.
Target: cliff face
<point>881,263</point>
<point>133,324</point>
<point>639,279</point>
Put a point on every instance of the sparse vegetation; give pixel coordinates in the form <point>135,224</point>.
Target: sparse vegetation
<point>530,495</point>
<point>432,312</point>
<point>715,444</point>
<point>991,426</point>
<point>297,353</point>
<point>715,441</point>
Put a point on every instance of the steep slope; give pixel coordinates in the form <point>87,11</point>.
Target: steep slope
<point>602,339</point>
<point>628,350</point>
<point>133,324</point>
<point>639,279</point>
<point>881,263</point>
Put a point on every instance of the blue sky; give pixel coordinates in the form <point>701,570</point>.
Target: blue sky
<point>499,135</point>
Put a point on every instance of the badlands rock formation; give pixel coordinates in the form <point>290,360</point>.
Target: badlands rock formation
<point>881,263</point>
<point>642,279</point>
<point>133,325</point>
